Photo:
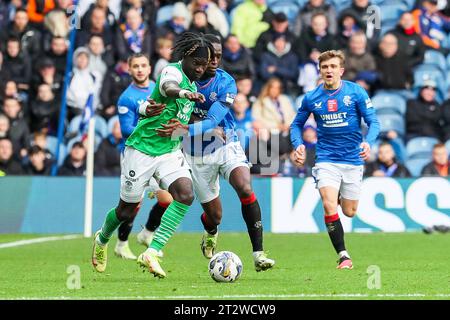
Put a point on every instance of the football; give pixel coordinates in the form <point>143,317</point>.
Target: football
<point>225,266</point>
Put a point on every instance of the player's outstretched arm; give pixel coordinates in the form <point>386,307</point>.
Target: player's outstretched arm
<point>173,90</point>
<point>368,114</point>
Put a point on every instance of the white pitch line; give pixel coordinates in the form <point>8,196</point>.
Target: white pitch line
<point>250,296</point>
<point>38,240</point>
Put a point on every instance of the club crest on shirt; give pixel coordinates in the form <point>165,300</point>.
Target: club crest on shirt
<point>213,96</point>
<point>347,101</point>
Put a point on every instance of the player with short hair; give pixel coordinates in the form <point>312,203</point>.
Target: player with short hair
<point>148,155</point>
<point>128,105</point>
<point>337,106</point>
<point>210,156</point>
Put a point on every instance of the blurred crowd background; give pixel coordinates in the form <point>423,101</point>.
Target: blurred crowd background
<point>398,50</point>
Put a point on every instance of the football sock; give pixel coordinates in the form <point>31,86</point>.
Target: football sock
<point>211,229</point>
<point>251,212</point>
<point>169,223</point>
<point>336,232</point>
<point>125,230</point>
<point>109,226</point>
<point>155,215</point>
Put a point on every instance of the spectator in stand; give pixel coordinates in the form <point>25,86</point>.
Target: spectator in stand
<point>37,9</point>
<point>275,112</point>
<point>107,157</point>
<point>175,27</point>
<point>431,25</point>
<point>348,25</point>
<point>46,74</point>
<point>99,60</point>
<point>316,39</point>
<point>445,120</point>
<point>8,164</point>
<point>393,69</point>
<point>116,81</point>
<point>104,5</point>
<point>133,36</point>
<point>236,59</point>
<point>44,111</point>
<point>58,54</point>
<point>10,90</point>
<point>4,126</point>
<point>30,38</point>
<point>279,26</point>
<point>98,26</point>
<point>83,83</point>
<point>4,74</point>
<point>164,50</point>
<point>357,58</point>
<point>38,164</point>
<point>423,115</point>
<point>40,139</point>
<point>280,61</point>
<point>57,23</point>
<point>359,11</point>
<point>17,64</point>
<point>250,20</point>
<point>439,164</point>
<point>147,9</point>
<point>386,164</point>
<point>244,85</point>
<point>200,24</point>
<point>215,16</point>
<point>243,120</point>
<point>18,131</point>
<point>312,7</point>
<point>410,43</point>
<point>309,73</point>
<point>75,163</point>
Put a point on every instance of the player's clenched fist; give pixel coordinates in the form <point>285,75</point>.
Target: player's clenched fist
<point>365,151</point>
<point>300,156</point>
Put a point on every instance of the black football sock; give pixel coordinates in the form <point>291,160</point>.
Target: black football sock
<point>336,232</point>
<point>251,212</point>
<point>207,225</point>
<point>155,215</point>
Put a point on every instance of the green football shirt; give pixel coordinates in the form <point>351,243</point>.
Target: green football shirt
<point>144,137</point>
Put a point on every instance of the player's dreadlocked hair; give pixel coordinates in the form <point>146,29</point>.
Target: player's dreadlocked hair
<point>189,43</point>
<point>212,38</point>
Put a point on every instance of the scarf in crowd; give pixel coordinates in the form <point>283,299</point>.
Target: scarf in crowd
<point>232,56</point>
<point>134,38</point>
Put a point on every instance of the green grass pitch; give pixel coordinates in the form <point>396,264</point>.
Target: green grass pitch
<point>411,266</point>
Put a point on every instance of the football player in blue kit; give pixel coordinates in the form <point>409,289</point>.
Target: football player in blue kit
<point>338,107</point>
<point>210,154</point>
<point>131,105</point>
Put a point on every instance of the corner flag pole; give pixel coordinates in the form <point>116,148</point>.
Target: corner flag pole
<point>88,199</point>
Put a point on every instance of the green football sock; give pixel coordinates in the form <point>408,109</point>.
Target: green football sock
<point>169,223</point>
<point>109,226</point>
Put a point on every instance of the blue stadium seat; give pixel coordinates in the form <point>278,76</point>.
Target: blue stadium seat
<point>393,122</point>
<point>341,4</point>
<point>415,166</point>
<point>289,7</point>
<point>164,14</point>
<point>111,123</point>
<point>389,103</point>
<point>391,11</point>
<point>420,147</point>
<point>101,127</point>
<point>52,144</point>
<point>429,72</point>
<point>435,58</point>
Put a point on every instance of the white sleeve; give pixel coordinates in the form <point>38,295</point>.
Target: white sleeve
<point>169,73</point>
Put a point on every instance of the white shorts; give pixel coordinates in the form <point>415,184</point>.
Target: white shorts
<point>345,178</point>
<point>137,169</point>
<point>206,169</point>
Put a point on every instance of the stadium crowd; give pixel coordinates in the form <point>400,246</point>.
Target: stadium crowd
<point>398,50</point>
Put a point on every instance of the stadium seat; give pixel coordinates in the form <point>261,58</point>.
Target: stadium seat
<point>415,166</point>
<point>111,123</point>
<point>164,14</point>
<point>289,7</point>
<point>393,122</point>
<point>420,147</point>
<point>389,103</point>
<point>341,4</point>
<point>391,11</point>
<point>435,58</point>
<point>52,144</point>
<point>429,72</point>
<point>101,127</point>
